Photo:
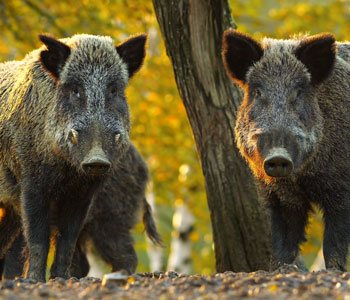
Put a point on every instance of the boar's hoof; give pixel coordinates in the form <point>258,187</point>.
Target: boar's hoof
<point>278,166</point>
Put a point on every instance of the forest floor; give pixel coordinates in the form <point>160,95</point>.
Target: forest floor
<point>286,283</point>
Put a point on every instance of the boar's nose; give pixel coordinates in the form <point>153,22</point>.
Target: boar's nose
<point>278,163</point>
<point>96,163</point>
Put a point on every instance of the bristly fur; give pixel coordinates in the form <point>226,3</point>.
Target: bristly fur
<point>296,99</point>
<point>344,50</point>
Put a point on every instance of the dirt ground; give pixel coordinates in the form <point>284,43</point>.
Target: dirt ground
<point>286,283</point>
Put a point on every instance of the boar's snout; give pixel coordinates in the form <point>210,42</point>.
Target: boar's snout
<point>96,163</point>
<point>278,163</point>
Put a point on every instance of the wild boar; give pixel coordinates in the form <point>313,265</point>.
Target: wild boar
<point>293,129</point>
<point>64,127</point>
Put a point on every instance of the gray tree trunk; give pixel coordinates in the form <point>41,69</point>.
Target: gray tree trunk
<point>192,30</point>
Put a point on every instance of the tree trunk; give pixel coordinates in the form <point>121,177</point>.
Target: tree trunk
<point>192,30</point>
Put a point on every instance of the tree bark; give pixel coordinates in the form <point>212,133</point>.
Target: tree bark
<point>192,30</point>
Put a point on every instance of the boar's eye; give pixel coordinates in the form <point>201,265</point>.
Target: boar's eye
<point>296,95</point>
<point>76,92</point>
<point>299,92</point>
<point>114,91</point>
<point>257,92</point>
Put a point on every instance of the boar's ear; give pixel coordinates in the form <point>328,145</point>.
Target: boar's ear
<point>239,53</point>
<point>133,52</point>
<point>317,53</point>
<point>55,56</point>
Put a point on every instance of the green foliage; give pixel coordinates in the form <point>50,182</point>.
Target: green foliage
<point>160,127</point>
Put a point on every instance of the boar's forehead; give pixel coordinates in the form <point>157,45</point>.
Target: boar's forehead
<point>278,67</point>
<point>94,60</point>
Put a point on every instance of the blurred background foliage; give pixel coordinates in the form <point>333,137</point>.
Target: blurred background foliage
<point>161,130</point>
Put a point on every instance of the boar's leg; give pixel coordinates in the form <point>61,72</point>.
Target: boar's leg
<point>36,228</point>
<point>336,237</point>
<point>71,219</point>
<point>15,259</point>
<point>288,229</point>
<point>114,243</point>
<point>2,265</point>
<point>10,226</point>
<point>80,265</point>
<point>118,251</point>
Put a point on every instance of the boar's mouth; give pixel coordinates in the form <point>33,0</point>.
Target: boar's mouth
<point>278,163</point>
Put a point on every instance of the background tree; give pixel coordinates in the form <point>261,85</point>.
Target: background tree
<point>192,31</point>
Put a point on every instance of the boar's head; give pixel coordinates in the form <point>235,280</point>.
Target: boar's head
<point>90,115</point>
<point>279,123</point>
